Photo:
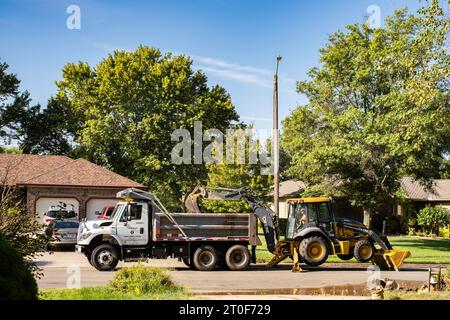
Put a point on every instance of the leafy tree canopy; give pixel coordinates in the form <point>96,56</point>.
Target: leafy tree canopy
<point>129,105</point>
<point>378,108</point>
<point>239,174</point>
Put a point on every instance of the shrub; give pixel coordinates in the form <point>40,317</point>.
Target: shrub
<point>16,279</point>
<point>433,218</point>
<point>222,206</point>
<point>444,232</point>
<point>140,280</point>
<point>21,230</point>
<point>447,276</point>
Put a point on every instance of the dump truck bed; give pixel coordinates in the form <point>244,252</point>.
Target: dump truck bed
<point>206,227</point>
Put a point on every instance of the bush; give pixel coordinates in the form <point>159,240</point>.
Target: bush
<point>433,218</point>
<point>20,229</point>
<point>444,232</point>
<point>222,206</point>
<point>140,280</point>
<point>447,276</point>
<point>16,279</point>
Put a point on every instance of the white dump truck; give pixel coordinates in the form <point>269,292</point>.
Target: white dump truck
<point>141,227</point>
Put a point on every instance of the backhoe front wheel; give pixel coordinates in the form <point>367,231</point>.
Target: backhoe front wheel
<point>314,251</point>
<point>364,251</point>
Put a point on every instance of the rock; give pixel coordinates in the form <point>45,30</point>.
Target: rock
<point>392,285</point>
<point>377,293</point>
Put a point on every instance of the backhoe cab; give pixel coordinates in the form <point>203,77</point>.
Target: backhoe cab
<point>313,233</point>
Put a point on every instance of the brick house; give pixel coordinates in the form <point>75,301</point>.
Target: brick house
<point>51,180</point>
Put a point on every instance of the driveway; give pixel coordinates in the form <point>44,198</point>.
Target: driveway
<point>69,269</point>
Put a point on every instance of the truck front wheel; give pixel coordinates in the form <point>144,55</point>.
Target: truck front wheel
<point>205,258</point>
<point>105,258</point>
<point>238,258</point>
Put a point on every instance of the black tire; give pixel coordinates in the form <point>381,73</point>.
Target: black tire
<point>205,258</point>
<point>238,258</point>
<point>345,257</point>
<point>364,251</point>
<point>314,251</point>
<point>105,258</point>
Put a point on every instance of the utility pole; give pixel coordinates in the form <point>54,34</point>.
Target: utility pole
<point>276,145</point>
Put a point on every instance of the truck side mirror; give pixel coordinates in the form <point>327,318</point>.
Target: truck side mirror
<point>97,213</point>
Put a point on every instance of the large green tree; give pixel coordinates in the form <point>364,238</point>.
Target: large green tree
<point>12,102</point>
<point>33,129</point>
<point>131,102</point>
<point>378,109</point>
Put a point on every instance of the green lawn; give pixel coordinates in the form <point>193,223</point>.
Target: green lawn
<point>423,250</point>
<point>398,295</point>
<point>105,293</point>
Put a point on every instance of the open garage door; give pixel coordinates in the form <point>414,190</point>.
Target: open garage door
<point>94,205</point>
<point>44,204</point>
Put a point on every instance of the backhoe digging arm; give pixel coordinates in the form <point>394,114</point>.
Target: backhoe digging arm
<point>268,218</point>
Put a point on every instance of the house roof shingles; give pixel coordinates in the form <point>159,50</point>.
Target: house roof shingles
<point>21,169</point>
<point>415,191</point>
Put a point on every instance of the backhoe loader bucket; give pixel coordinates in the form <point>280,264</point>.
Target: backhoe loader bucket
<point>390,259</point>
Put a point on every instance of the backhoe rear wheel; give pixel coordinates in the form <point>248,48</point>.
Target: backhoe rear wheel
<point>314,251</point>
<point>364,251</point>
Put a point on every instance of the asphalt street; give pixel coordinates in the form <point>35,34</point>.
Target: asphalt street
<point>69,270</point>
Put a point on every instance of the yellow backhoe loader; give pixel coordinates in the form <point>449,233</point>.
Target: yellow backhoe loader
<point>312,233</point>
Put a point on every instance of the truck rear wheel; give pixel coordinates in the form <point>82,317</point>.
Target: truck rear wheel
<point>205,258</point>
<point>105,258</point>
<point>314,251</point>
<point>364,251</point>
<point>238,258</point>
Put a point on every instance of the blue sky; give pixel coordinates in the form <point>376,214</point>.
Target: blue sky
<point>234,42</point>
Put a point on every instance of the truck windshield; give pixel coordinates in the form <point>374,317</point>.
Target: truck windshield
<point>117,209</point>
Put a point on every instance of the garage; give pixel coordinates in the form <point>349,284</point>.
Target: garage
<point>44,204</point>
<point>94,205</point>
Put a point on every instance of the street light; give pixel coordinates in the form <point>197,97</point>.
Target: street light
<point>276,145</point>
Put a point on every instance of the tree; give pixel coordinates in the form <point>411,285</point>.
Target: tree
<point>20,229</point>
<point>52,130</point>
<point>131,102</point>
<point>48,131</point>
<point>239,174</point>
<point>11,100</point>
<point>433,218</point>
<point>378,109</point>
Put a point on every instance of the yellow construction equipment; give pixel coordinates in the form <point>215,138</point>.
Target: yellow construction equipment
<point>315,233</point>
<point>312,232</point>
